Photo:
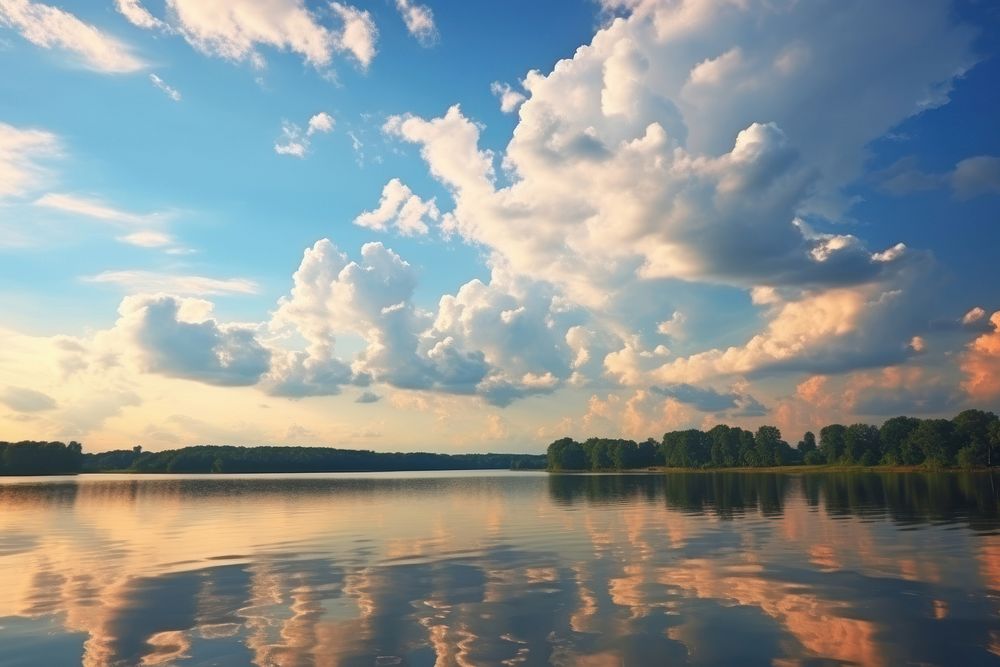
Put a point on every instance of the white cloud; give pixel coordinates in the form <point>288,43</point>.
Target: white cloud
<point>510,99</point>
<point>481,342</point>
<point>673,327</point>
<point>145,234</point>
<point>293,141</point>
<point>152,282</point>
<point>96,209</point>
<point>237,29</point>
<point>50,27</point>
<point>687,142</point>
<point>321,122</point>
<point>975,315</point>
<point>148,239</point>
<point>170,92</point>
<point>22,153</point>
<point>358,34</point>
<point>138,15</point>
<point>419,21</point>
<point>400,208</point>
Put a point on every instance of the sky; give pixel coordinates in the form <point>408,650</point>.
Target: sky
<point>453,226</point>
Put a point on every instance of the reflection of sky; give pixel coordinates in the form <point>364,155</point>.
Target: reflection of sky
<point>472,569</point>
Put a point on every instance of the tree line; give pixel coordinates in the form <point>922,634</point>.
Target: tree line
<point>56,458</point>
<point>971,439</point>
<point>30,457</point>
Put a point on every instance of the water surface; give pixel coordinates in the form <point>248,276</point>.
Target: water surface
<point>490,568</point>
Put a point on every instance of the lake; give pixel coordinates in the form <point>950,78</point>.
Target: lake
<point>500,568</point>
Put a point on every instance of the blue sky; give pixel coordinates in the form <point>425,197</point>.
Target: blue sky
<point>692,218</point>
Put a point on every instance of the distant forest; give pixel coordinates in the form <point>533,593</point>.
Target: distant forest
<point>971,439</point>
<point>56,458</point>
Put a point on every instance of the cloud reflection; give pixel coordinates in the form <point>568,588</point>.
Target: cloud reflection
<point>514,569</point>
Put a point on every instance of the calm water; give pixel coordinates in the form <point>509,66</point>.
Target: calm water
<point>500,568</point>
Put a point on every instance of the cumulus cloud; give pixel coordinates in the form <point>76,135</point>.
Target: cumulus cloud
<point>321,122</point>
<point>482,341</point>
<point>823,331</point>
<point>296,142</point>
<point>178,338</point>
<point>419,20</point>
<point>53,28</point>
<point>372,299</point>
<point>401,209</point>
<point>510,99</point>
<point>686,143</point>
<point>169,91</point>
<point>23,152</point>
<point>981,364</point>
<point>151,281</point>
<point>22,399</point>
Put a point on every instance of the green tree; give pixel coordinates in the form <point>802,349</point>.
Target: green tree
<point>972,429</point>
<point>893,435</point>
<point>807,443</point>
<point>748,449</point>
<point>624,454</point>
<point>566,454</point>
<point>936,439</point>
<point>831,442</point>
<point>861,444</point>
<point>768,445</point>
<point>994,441</point>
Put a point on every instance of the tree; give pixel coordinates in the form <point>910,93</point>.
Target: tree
<point>598,453</point>
<point>724,446</point>
<point>748,449</point>
<point>994,441</point>
<point>893,435</point>
<point>831,442</point>
<point>624,454</point>
<point>861,444</point>
<point>972,429</point>
<point>566,454</point>
<point>807,443</point>
<point>936,439</point>
<point>768,444</point>
<point>647,454</point>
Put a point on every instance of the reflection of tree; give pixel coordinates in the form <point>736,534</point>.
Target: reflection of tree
<point>906,498</point>
<point>911,498</point>
<point>582,569</point>
<point>725,494</point>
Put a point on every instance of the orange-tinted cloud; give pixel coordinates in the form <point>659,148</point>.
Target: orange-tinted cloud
<point>981,363</point>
